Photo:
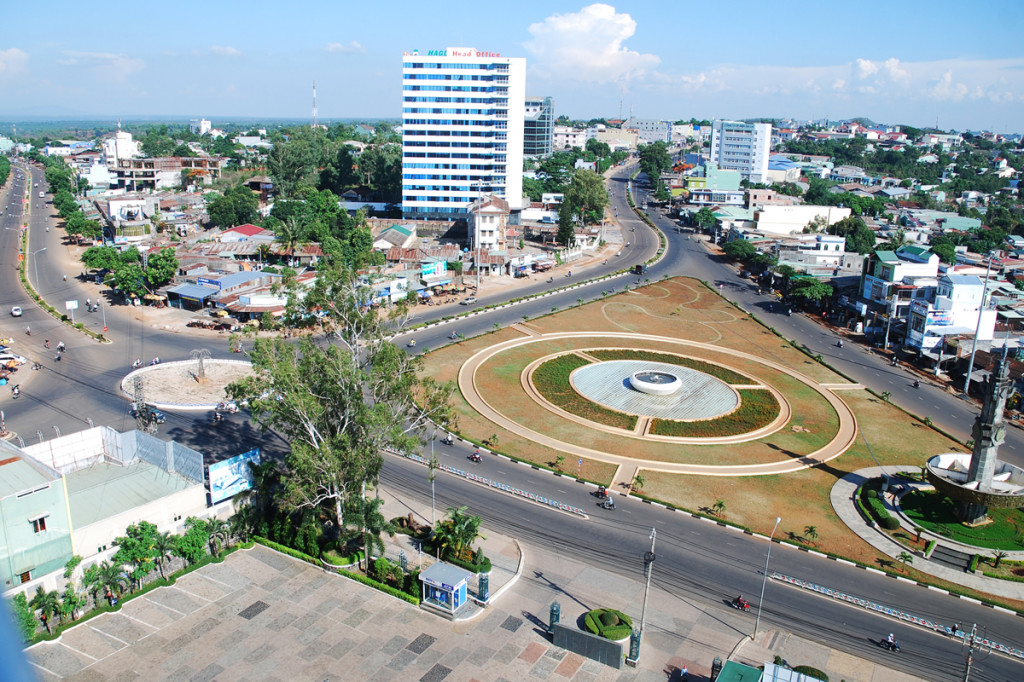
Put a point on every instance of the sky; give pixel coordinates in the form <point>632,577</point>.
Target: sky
<point>952,64</point>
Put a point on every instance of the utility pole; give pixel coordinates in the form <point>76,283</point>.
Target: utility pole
<point>971,643</point>
<point>634,656</point>
<point>314,107</point>
<point>888,321</point>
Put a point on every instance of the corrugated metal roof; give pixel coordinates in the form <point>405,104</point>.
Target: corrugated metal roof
<point>193,291</point>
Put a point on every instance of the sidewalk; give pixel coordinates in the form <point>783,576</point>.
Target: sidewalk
<point>842,499</point>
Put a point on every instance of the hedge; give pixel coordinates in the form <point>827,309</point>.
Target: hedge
<point>758,408</point>
<point>726,375</point>
<point>287,550</point>
<point>811,672</point>
<point>483,567</point>
<point>551,379</point>
<point>387,589</point>
<point>596,622</point>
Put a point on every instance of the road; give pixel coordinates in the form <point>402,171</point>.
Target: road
<point>707,564</point>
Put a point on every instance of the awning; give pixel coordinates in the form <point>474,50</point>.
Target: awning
<point>195,292</point>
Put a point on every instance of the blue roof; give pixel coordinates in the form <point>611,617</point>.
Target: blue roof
<point>196,291</point>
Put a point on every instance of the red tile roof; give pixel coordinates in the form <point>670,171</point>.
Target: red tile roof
<point>247,229</point>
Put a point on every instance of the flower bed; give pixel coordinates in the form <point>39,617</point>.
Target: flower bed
<point>726,375</point>
<point>551,379</point>
<point>608,623</point>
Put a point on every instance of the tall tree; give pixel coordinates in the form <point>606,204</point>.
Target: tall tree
<point>340,405</point>
<point>135,549</point>
<point>587,195</point>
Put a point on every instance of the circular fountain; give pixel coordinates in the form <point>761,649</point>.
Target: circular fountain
<point>655,382</point>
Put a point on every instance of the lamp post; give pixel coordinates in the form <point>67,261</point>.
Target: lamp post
<point>35,267</point>
<point>764,578</point>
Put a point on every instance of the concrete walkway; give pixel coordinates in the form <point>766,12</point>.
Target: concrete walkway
<point>261,615</point>
<point>840,443</point>
<point>842,499</point>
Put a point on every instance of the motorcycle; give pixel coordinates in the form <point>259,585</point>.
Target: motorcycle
<point>137,364</point>
<point>448,440</point>
<point>917,384</point>
<point>475,457</point>
<point>217,417</point>
<point>608,504</point>
<point>550,280</point>
<point>892,646</point>
<point>741,604</point>
<point>412,343</point>
<point>602,493</point>
<point>454,336</point>
<point>155,361</point>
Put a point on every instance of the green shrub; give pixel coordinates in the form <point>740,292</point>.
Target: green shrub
<point>811,672</point>
<point>551,379</point>
<point>871,494</point>
<point>286,550</point>
<point>929,546</point>
<point>608,623</point>
<point>890,523</point>
<point>974,563</point>
<point>387,589</point>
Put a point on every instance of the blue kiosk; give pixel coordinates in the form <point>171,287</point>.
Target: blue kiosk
<point>444,587</point>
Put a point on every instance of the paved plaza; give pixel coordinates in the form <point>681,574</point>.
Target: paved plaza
<point>261,615</point>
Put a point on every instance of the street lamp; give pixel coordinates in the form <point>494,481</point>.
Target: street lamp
<point>35,266</point>
<point>764,579</point>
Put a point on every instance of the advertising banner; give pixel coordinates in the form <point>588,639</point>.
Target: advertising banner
<point>232,476</point>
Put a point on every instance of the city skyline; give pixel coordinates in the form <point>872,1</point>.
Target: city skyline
<point>910,65</point>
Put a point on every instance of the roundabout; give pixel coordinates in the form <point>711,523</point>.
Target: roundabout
<point>608,386</point>
<point>179,386</point>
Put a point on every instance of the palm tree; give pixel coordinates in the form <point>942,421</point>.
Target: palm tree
<point>111,579</point>
<point>71,602</point>
<point>47,603</point>
<point>638,481</point>
<point>998,557</point>
<point>219,534</point>
<point>719,507</point>
<point>373,523</point>
<point>811,533</point>
<point>904,558</point>
<point>458,532</point>
<point>163,548</point>
<point>886,395</point>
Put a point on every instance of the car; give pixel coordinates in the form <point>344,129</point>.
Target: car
<point>468,301</point>
<point>16,311</point>
<point>12,357</point>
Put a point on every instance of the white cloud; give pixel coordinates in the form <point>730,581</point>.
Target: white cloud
<point>864,68</point>
<point>945,89</point>
<point>225,51</point>
<point>107,65</point>
<point>352,47</point>
<point>12,60</point>
<point>839,84</point>
<point>588,46</point>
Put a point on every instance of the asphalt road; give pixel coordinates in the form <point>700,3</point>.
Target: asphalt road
<point>707,564</point>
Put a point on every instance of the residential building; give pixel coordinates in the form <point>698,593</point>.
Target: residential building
<point>618,139</point>
<point>538,126</point>
<point>713,186</point>
<point>954,311</point>
<point>567,137</point>
<point>743,147</point>
<point>120,147</point>
<point>489,223</point>
<point>782,170</point>
<point>462,130</point>
<point>894,280</point>
<point>136,174</point>
<point>199,126</point>
<point>649,130</point>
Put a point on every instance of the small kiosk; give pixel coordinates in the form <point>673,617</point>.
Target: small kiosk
<point>444,587</point>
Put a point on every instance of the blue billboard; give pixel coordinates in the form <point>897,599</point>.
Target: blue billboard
<point>232,476</point>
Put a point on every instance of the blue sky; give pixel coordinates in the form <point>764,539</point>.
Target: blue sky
<point>959,64</point>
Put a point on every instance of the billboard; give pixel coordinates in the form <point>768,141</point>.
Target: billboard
<point>232,476</point>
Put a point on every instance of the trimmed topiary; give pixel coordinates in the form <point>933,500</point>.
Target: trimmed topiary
<point>608,623</point>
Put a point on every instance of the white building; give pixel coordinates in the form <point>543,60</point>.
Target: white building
<point>489,223</point>
<point>120,147</point>
<point>958,302</point>
<point>649,130</point>
<point>462,130</point>
<point>743,147</point>
<point>567,137</point>
<point>776,219</point>
<point>199,126</point>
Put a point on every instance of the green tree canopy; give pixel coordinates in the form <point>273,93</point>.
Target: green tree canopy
<point>739,249</point>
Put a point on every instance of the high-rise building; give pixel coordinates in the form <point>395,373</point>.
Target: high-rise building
<point>462,130</point>
<point>539,126</point>
<point>742,146</point>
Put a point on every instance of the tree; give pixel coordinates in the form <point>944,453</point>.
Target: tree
<point>586,194</point>
<point>161,268</point>
<point>811,289</point>
<point>705,218</point>
<point>340,172</point>
<point>135,549</point>
<point>24,619</point>
<point>739,249</point>
<point>101,257</point>
<point>192,545</point>
<point>218,532</point>
<point>163,547</point>
<point>998,557</point>
<point>373,524</point>
<point>566,234</point>
<point>886,395</point>
<point>457,532</point>
<point>339,405</point>
<point>559,461</point>
<point>905,558</point>
<point>47,604</point>
<point>182,150</point>
<point>129,278</point>
<point>638,481</point>
<point>71,602</point>
<point>811,533</point>
<point>719,507</point>
<point>238,206</point>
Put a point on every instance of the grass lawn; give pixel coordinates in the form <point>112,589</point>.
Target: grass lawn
<point>936,513</point>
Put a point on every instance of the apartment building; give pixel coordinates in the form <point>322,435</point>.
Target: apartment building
<point>538,126</point>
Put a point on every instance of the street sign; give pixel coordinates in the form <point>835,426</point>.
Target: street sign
<point>71,305</point>
<point>104,329</point>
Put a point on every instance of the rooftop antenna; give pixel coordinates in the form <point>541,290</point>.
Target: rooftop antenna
<point>314,106</point>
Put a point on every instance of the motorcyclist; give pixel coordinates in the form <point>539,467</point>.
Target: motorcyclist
<point>137,363</point>
<point>61,347</point>
<point>46,343</point>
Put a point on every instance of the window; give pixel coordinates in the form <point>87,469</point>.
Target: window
<point>39,524</point>
<point>26,577</point>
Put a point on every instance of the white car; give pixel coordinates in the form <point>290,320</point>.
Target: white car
<point>468,301</point>
<point>16,311</point>
<point>12,357</point>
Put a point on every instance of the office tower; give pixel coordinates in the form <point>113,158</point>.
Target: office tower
<point>539,126</point>
<point>462,130</point>
<point>743,147</point>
